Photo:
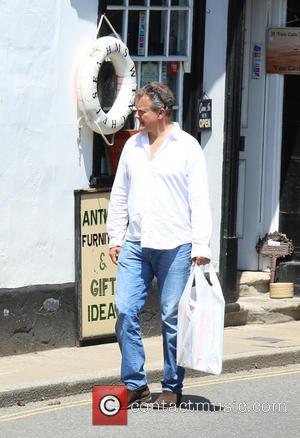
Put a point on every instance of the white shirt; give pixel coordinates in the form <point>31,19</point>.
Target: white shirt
<point>161,201</point>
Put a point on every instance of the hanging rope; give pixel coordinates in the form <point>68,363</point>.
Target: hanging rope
<point>104,17</point>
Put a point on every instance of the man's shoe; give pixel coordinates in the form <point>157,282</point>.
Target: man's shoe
<point>138,396</point>
<point>167,399</point>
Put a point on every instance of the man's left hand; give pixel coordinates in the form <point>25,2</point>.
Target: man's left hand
<point>200,260</point>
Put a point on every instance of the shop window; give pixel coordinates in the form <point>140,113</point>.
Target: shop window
<point>158,36</point>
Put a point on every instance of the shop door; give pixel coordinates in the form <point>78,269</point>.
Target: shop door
<point>290,166</point>
<point>260,144</point>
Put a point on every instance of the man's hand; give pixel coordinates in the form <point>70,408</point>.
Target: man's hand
<point>200,260</point>
<point>114,253</point>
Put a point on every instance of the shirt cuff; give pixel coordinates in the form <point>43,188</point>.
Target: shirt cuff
<point>200,251</point>
<point>115,242</point>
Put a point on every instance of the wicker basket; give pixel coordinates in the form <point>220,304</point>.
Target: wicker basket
<point>281,290</point>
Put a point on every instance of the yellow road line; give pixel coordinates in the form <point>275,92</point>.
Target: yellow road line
<point>241,378</point>
<point>43,410</point>
<point>215,381</point>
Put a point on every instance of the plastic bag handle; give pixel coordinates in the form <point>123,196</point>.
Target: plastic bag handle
<point>201,280</point>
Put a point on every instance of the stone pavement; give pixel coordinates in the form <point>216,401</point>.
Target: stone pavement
<point>65,371</point>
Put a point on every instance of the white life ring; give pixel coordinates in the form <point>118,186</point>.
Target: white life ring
<point>88,101</point>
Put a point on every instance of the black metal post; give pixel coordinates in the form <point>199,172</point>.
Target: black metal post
<point>193,82</point>
<point>232,125</point>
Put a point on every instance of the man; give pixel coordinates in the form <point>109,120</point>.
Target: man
<point>158,222</point>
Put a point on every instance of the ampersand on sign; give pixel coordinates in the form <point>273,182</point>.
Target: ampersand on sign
<point>102,264</point>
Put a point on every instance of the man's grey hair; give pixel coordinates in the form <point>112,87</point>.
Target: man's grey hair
<point>160,95</point>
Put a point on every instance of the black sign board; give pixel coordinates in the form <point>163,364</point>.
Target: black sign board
<point>205,118</point>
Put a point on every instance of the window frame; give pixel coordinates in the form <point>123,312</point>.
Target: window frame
<point>184,61</point>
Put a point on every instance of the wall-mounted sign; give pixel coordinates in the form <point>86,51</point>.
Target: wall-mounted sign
<point>256,61</point>
<point>205,114</point>
<point>283,50</point>
<point>95,272</point>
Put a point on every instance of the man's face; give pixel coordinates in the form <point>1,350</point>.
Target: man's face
<point>147,118</point>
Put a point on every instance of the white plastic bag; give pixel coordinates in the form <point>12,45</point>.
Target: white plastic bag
<point>200,329</point>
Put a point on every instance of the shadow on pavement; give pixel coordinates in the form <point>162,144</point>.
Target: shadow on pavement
<point>188,403</point>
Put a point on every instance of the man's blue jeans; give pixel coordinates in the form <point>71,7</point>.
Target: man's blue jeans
<point>136,269</point>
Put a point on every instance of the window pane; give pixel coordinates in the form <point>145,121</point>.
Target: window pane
<point>133,32</point>
<point>159,2</point>
<point>178,33</point>
<point>115,2</point>
<point>115,17</point>
<point>157,26</point>
<point>169,76</point>
<point>136,2</point>
<point>179,2</point>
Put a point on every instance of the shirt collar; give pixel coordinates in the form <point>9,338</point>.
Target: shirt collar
<point>175,133</point>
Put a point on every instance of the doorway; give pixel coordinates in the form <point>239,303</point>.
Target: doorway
<point>261,132</point>
<point>290,166</point>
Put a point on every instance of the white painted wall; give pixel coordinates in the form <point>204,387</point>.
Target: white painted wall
<point>214,87</point>
<point>41,163</point>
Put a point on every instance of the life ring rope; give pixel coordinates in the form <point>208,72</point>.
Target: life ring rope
<point>104,17</point>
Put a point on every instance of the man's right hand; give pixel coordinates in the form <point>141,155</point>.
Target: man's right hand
<point>114,253</point>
